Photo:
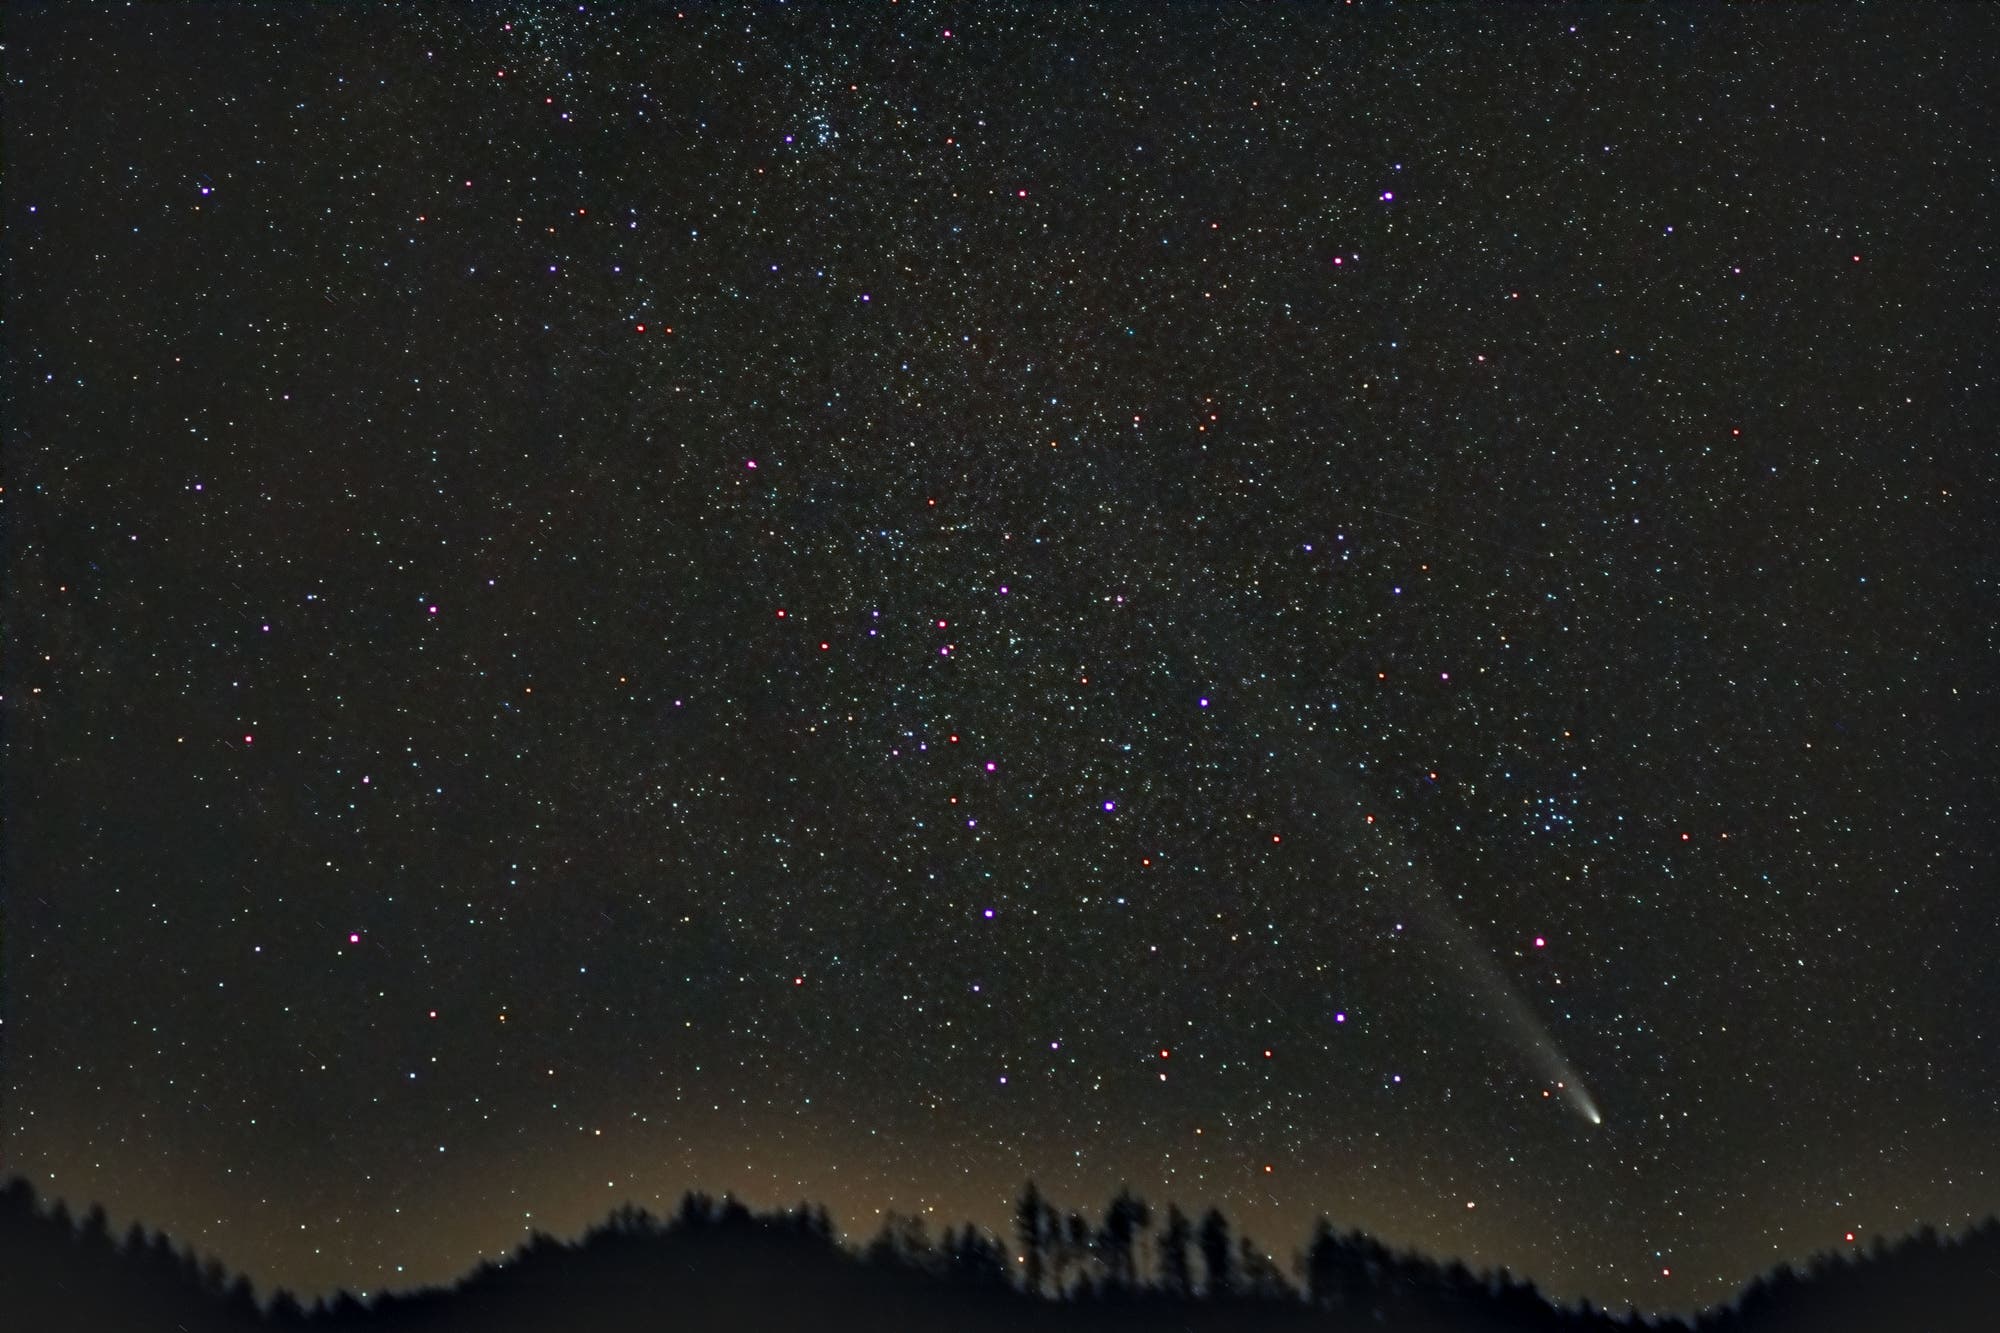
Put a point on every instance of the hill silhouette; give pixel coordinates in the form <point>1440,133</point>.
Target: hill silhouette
<point>715,1264</point>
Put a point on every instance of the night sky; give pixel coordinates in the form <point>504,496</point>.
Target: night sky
<point>863,602</point>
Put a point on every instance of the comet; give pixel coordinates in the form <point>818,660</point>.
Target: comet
<point>1493,992</point>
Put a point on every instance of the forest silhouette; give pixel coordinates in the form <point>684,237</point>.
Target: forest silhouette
<point>715,1264</point>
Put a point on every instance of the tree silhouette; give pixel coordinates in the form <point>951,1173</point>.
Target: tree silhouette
<point>815,1222</point>
<point>718,1264</point>
<point>629,1219</point>
<point>697,1210</point>
<point>94,1236</point>
<point>974,1258</point>
<point>904,1241</point>
<point>1260,1275</point>
<point>1031,1235</point>
<point>239,1305</point>
<point>1322,1265</point>
<point>1176,1275</point>
<point>1124,1218</point>
<point>1218,1265</point>
<point>1074,1251</point>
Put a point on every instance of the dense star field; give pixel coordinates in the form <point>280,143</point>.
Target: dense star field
<point>866,602</point>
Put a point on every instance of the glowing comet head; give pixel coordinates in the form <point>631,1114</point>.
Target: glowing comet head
<point>1572,1089</point>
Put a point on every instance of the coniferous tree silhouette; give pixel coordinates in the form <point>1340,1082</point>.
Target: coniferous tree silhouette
<point>1322,1265</point>
<point>1031,1234</point>
<point>816,1223</point>
<point>697,1210</point>
<point>975,1259</point>
<point>1074,1253</point>
<point>94,1236</point>
<point>903,1242</point>
<point>1124,1218</point>
<point>1258,1275</point>
<point>1218,1264</point>
<point>1055,1245</point>
<point>717,1264</point>
<point>1176,1274</point>
<point>239,1303</point>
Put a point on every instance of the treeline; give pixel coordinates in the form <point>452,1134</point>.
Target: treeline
<point>715,1264</point>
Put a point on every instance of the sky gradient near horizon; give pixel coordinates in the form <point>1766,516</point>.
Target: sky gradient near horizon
<point>1379,612</point>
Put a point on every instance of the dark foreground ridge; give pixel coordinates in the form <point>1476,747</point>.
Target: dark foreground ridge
<point>716,1265</point>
